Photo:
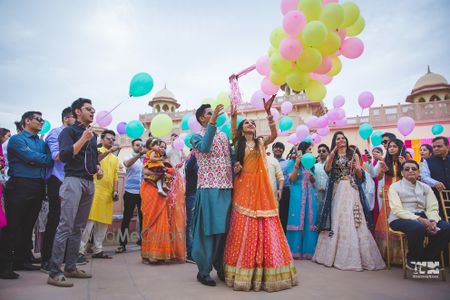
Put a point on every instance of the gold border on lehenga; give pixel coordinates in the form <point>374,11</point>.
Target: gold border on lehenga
<point>255,213</point>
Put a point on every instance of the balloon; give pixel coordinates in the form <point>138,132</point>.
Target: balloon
<point>297,80</point>
<point>308,161</point>
<point>294,22</point>
<point>365,99</point>
<point>410,151</point>
<point>314,34</point>
<point>286,123</point>
<point>263,66</point>
<point>277,79</point>
<point>376,138</point>
<point>271,51</point>
<point>322,122</point>
<point>141,84</point>
<point>342,34</point>
<point>194,125</point>
<point>323,131</point>
<point>406,125</point>
<point>312,122</point>
<point>282,133</point>
<point>187,140</point>
<point>340,123</point>
<point>316,91</point>
<point>331,44</point>
<point>134,129</point>
<point>227,130</point>
<point>185,122</point>
<point>323,78</point>
<point>316,138</point>
<point>332,15</point>
<point>288,5</point>
<point>302,132</point>
<point>309,60</point>
<point>286,107</point>
<point>277,36</point>
<point>121,127</point>
<point>293,139</point>
<point>257,99</point>
<point>325,2</point>
<point>103,118</point>
<point>357,27</point>
<point>239,120</point>
<point>290,48</point>
<point>267,87</point>
<point>338,101</point>
<point>336,66</point>
<point>209,101</point>
<point>224,99</point>
<point>325,67</point>
<point>351,14</point>
<point>279,64</point>
<point>365,130</point>
<point>437,129</point>
<point>178,144</point>
<point>45,127</point>
<point>311,8</point>
<point>161,125</point>
<point>309,139</point>
<point>275,114</point>
<point>333,115</point>
<point>352,48</point>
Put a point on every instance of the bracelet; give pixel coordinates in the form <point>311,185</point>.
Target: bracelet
<point>212,123</point>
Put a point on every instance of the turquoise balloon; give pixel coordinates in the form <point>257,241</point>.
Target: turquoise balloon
<point>437,129</point>
<point>45,128</point>
<point>187,140</point>
<point>239,120</point>
<point>308,161</point>
<point>365,130</point>
<point>376,138</point>
<point>134,129</point>
<point>185,122</point>
<point>141,84</point>
<point>227,130</point>
<point>221,120</point>
<point>286,123</point>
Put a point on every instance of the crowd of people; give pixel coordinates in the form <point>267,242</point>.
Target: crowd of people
<point>228,205</point>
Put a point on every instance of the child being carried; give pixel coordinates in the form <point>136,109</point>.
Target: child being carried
<point>155,167</point>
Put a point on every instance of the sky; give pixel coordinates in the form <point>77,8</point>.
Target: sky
<point>53,52</point>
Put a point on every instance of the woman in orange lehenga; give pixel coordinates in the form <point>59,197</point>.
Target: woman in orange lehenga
<point>390,170</point>
<point>257,254</point>
<point>163,224</point>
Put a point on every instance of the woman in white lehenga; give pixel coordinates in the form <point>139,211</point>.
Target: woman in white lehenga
<point>345,241</point>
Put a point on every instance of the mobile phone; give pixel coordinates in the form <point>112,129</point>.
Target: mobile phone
<point>366,151</point>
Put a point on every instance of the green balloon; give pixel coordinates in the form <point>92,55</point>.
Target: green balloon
<point>365,130</point>
<point>227,130</point>
<point>45,128</point>
<point>376,138</point>
<point>134,129</point>
<point>141,84</point>
<point>239,120</point>
<point>308,160</point>
<point>286,123</point>
<point>185,122</point>
<point>221,120</point>
<point>187,140</point>
<point>437,129</point>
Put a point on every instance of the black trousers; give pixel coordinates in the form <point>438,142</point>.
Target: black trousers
<point>130,201</point>
<point>23,200</point>
<point>283,209</point>
<point>54,212</point>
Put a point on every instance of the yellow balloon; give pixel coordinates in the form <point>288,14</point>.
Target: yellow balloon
<point>271,51</point>
<point>357,27</point>
<point>332,15</point>
<point>209,101</point>
<point>337,66</point>
<point>314,34</point>
<point>161,126</point>
<point>331,45</point>
<point>316,91</point>
<point>279,64</point>
<point>277,35</point>
<point>351,14</point>
<point>297,80</point>
<point>311,9</point>
<point>309,60</point>
<point>277,79</point>
<point>224,99</point>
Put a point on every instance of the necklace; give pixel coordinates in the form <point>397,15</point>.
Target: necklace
<point>251,145</point>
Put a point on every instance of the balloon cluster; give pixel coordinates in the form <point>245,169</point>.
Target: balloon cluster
<point>305,51</point>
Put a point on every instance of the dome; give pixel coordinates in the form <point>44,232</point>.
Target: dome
<point>165,93</point>
<point>430,78</point>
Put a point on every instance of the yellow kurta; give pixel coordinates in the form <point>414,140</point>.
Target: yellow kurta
<point>102,205</point>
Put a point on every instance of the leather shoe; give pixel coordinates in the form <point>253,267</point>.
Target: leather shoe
<point>26,267</point>
<point>35,260</point>
<point>206,280</point>
<point>8,273</point>
<point>221,275</point>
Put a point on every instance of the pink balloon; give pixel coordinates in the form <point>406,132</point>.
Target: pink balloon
<point>316,138</point>
<point>333,115</point>
<point>290,48</point>
<point>410,151</point>
<point>257,99</point>
<point>293,139</point>
<point>338,101</point>
<point>325,2</point>
<point>325,67</point>
<point>342,34</point>
<point>406,125</point>
<point>275,114</point>
<point>282,133</point>
<point>286,107</point>
<point>294,22</point>
<point>194,125</point>
<point>302,132</point>
<point>340,123</point>
<point>322,122</point>
<point>352,48</point>
<point>365,99</point>
<point>268,87</point>
<point>288,5</point>
<point>323,78</point>
<point>262,65</point>
<point>121,127</point>
<point>103,118</point>
<point>323,131</point>
<point>341,113</point>
<point>312,122</point>
<point>178,144</point>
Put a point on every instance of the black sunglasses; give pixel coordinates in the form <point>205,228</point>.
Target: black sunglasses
<point>407,169</point>
<point>39,119</point>
<point>322,151</point>
<point>385,142</point>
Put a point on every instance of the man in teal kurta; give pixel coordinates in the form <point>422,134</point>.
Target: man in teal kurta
<point>213,199</point>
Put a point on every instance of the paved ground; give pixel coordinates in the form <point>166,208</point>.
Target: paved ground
<point>124,277</point>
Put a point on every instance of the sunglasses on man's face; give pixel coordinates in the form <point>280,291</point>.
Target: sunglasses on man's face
<point>407,169</point>
<point>110,139</point>
<point>209,113</point>
<point>322,151</point>
<point>39,119</point>
<point>89,109</point>
<point>385,142</point>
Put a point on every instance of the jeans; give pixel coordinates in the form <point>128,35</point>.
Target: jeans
<point>190,205</point>
<point>284,207</point>
<point>54,212</point>
<point>130,201</point>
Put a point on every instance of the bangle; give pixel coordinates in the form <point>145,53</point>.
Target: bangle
<point>212,123</point>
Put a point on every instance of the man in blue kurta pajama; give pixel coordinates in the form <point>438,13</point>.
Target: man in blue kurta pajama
<point>213,199</point>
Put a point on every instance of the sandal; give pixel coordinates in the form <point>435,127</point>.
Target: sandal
<point>77,273</point>
<point>121,249</point>
<point>60,281</point>
<point>101,255</point>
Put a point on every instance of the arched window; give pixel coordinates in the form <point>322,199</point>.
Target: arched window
<point>165,107</point>
<point>158,108</point>
<point>421,100</point>
<point>447,97</point>
<point>435,98</point>
<point>172,109</point>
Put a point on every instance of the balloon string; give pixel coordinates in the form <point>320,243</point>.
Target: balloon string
<point>108,113</point>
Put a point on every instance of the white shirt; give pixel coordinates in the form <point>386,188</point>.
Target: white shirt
<point>321,176</point>
<point>175,156</point>
<point>275,173</point>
